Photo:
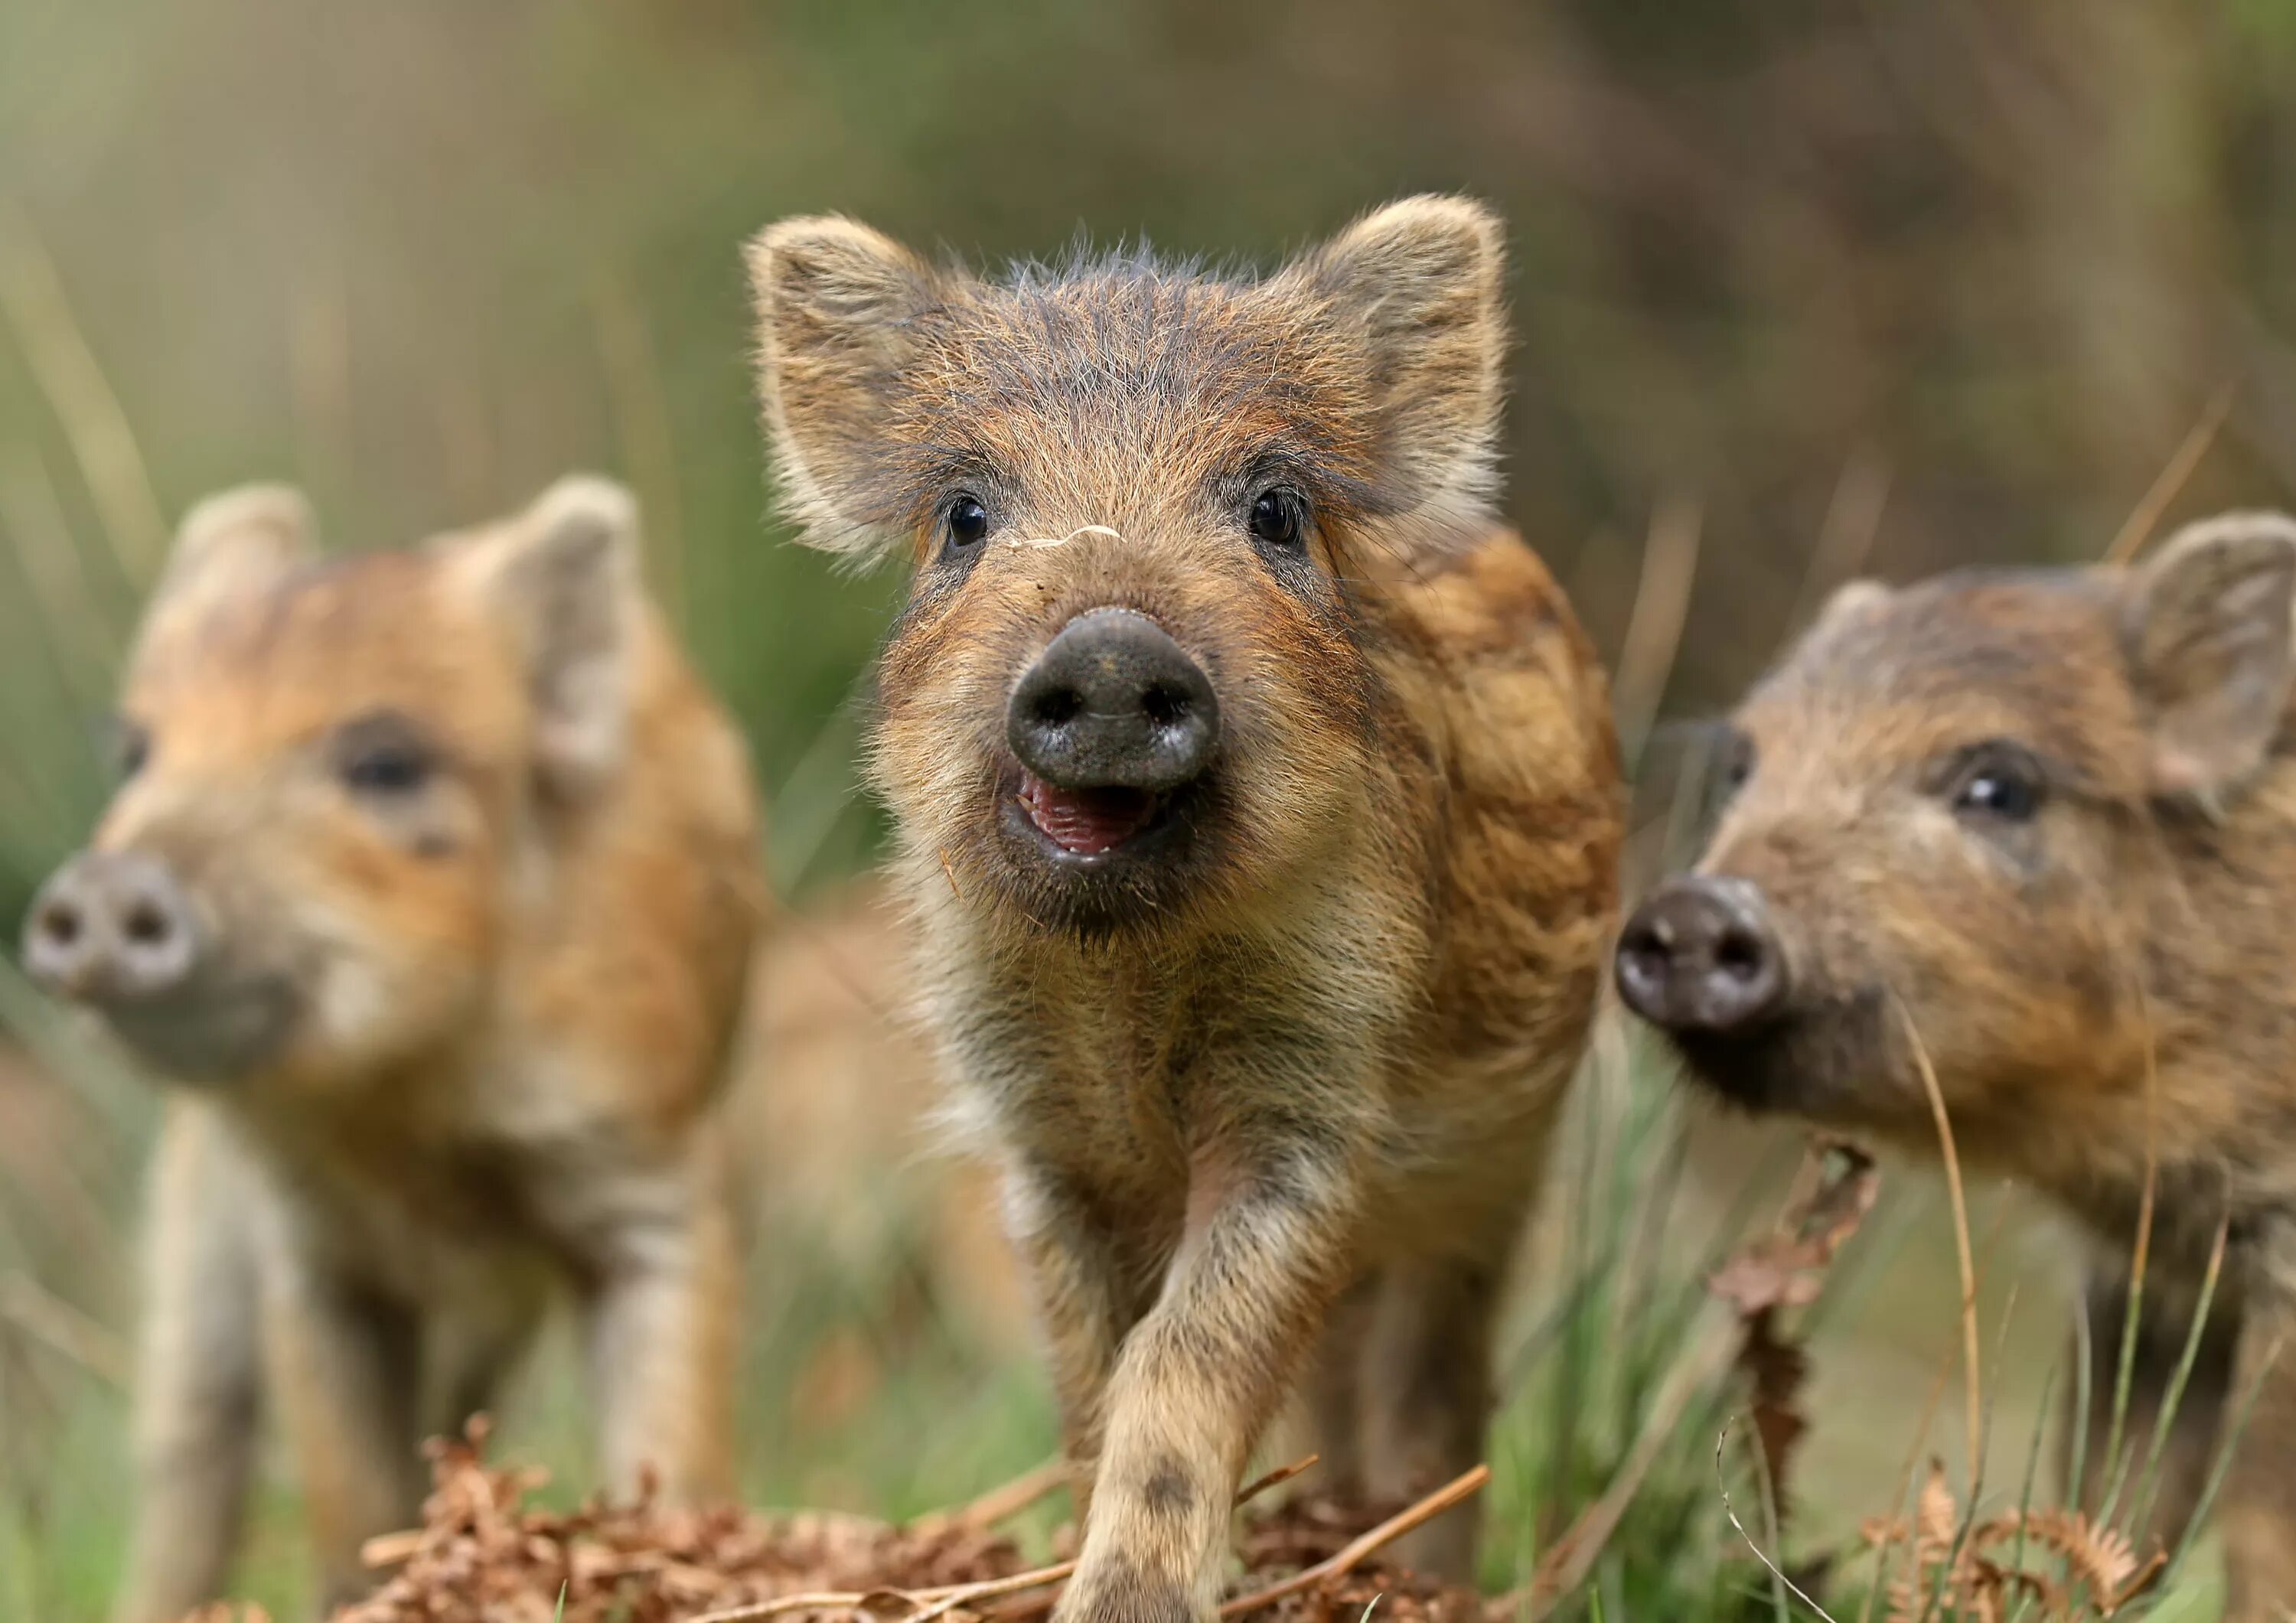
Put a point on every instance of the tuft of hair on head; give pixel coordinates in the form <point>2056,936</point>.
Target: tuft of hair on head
<point>1419,284</point>
<point>837,307</point>
<point>563,579</point>
<point>2209,626</point>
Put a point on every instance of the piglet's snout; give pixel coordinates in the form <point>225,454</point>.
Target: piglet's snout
<point>1114,702</point>
<point>111,928</point>
<point>1702,954</point>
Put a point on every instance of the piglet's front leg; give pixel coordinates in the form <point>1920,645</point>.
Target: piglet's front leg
<point>662,1293</point>
<point>1264,1253</point>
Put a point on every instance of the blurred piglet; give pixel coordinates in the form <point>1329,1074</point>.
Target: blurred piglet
<point>429,889</point>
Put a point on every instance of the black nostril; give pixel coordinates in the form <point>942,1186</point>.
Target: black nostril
<point>62,934</point>
<point>60,922</point>
<point>1642,950</point>
<point>1739,953</point>
<point>145,924</point>
<point>1055,706</point>
<point>1164,707</point>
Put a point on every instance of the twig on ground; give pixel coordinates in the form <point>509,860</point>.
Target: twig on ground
<point>1459,1488</point>
<point>1000,1503</point>
<point>1276,1478</point>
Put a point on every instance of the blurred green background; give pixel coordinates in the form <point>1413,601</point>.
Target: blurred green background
<point>1876,285</point>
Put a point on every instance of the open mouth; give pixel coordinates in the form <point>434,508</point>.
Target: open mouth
<point>1089,822</point>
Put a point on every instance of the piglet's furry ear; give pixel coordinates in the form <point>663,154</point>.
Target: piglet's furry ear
<point>1419,284</point>
<point>2208,634</point>
<point>563,577</point>
<point>838,309</point>
<point>233,544</point>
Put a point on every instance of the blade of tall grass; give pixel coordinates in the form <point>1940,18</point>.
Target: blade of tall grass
<point>1966,1526</point>
<point>1908,1479</point>
<point>1845,535</point>
<point>1760,1554</point>
<point>2025,1490</point>
<point>2148,1484</point>
<point>32,301</point>
<point>1974,1377</point>
<point>2146,517</point>
<point>2225,1450</point>
<point>640,405</point>
<point>1653,636</point>
<point>2115,1464</point>
<point>89,634</point>
<point>2084,1395</point>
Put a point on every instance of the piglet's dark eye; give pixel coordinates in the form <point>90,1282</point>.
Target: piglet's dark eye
<point>131,748</point>
<point>1275,517</point>
<point>383,755</point>
<point>1999,782</point>
<point>968,523</point>
<point>386,771</point>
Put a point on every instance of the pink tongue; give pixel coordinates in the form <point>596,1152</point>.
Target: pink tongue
<point>1087,821</point>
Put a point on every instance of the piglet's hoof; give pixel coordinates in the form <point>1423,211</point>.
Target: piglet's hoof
<point>1118,1591</point>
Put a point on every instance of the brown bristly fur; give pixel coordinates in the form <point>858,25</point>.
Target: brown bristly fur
<point>1292,1078</point>
<point>2101,985</point>
<point>513,982</point>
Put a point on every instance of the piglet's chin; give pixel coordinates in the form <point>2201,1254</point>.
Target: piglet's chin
<point>1753,1074</point>
<point>1086,822</point>
<point>211,1039</point>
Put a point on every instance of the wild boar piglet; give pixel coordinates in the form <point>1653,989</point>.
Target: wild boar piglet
<point>1257,807</point>
<point>2036,831</point>
<point>429,889</point>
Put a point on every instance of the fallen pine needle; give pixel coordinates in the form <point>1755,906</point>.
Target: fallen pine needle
<point>1461,1488</point>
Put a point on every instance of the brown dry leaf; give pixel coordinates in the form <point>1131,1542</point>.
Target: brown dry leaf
<point>1778,1369</point>
<point>2101,1570</point>
<point>2100,1559</point>
<point>1937,1513</point>
<point>1788,1268</point>
<point>481,1552</point>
